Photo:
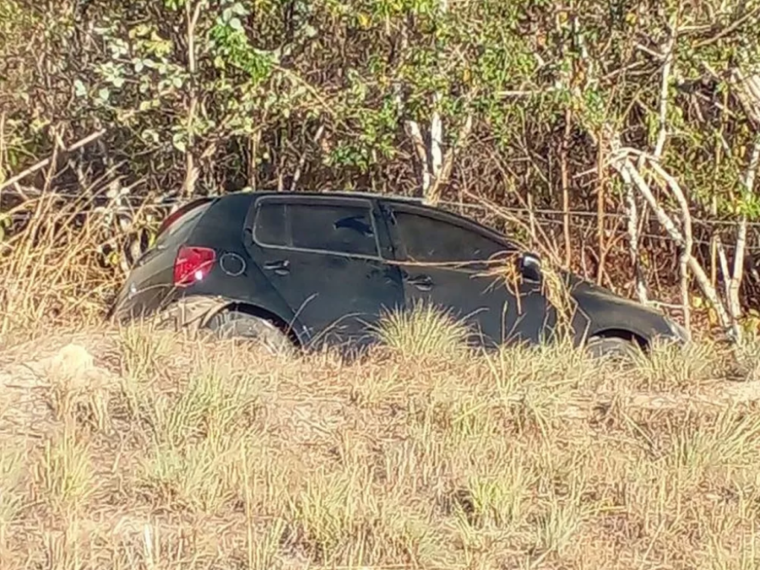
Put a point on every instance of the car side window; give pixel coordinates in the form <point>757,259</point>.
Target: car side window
<point>270,228</point>
<point>428,240</point>
<point>328,228</point>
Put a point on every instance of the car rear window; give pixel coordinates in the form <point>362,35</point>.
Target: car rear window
<point>328,228</point>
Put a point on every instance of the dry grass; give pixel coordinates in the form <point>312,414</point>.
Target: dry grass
<point>424,332</point>
<point>150,450</point>
<point>52,270</point>
<point>165,453</point>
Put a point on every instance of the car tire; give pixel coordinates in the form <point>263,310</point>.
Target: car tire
<point>233,324</point>
<point>615,348</point>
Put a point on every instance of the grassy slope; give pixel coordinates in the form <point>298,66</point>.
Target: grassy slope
<point>163,454</point>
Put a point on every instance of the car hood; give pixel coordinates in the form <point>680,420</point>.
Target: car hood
<point>584,290</point>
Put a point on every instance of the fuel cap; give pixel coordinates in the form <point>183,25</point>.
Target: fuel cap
<point>232,264</point>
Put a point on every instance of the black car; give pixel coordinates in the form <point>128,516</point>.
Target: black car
<point>299,269</point>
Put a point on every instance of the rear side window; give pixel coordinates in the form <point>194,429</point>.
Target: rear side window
<point>342,229</point>
<point>425,239</point>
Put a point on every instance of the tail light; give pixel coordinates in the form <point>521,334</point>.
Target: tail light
<point>192,264</point>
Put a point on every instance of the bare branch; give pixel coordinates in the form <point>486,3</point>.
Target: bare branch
<point>302,159</point>
<point>733,26</point>
<point>723,258</point>
<point>43,163</point>
<point>2,142</point>
<point>688,241</point>
<point>663,116</point>
<point>751,173</point>
<point>633,236</point>
<point>627,169</point>
<point>412,129</point>
<point>741,238</point>
<point>748,90</point>
<point>191,171</point>
<point>436,138</point>
<point>565,184</point>
<point>524,93</point>
<point>444,174</point>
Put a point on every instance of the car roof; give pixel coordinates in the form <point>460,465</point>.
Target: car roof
<point>398,198</point>
<point>335,194</point>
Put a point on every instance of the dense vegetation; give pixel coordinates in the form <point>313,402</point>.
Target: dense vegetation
<point>140,449</point>
<point>632,112</point>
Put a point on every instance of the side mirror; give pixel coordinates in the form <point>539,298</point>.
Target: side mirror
<point>530,267</point>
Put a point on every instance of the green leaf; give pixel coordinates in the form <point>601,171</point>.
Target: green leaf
<point>179,142</point>
<point>150,135</point>
<point>239,9</point>
<point>310,31</point>
<point>79,89</point>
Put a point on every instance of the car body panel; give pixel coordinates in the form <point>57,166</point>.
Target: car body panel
<point>501,311</point>
<point>335,295</point>
<point>223,229</point>
<point>604,311</point>
<point>354,267</point>
<point>149,286</point>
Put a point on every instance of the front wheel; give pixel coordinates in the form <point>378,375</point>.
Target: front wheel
<point>613,347</point>
<point>233,324</point>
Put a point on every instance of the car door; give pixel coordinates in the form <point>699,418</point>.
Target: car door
<point>429,245</point>
<point>323,257</point>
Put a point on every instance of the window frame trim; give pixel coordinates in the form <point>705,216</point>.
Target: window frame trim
<point>317,201</point>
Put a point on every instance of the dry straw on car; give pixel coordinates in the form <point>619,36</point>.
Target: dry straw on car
<point>505,267</point>
<point>553,286</point>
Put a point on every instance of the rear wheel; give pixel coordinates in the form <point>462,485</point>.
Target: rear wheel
<point>231,324</point>
<point>613,348</point>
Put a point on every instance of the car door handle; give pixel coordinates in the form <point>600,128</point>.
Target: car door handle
<point>422,282</point>
<point>280,267</point>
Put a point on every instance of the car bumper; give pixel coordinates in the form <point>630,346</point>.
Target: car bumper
<point>677,333</point>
